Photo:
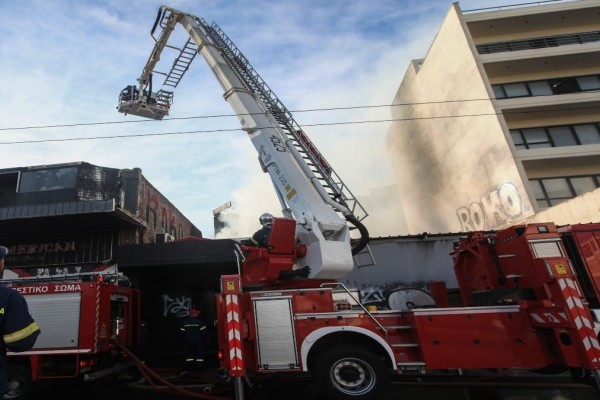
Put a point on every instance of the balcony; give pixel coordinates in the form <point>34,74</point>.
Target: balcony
<point>539,43</point>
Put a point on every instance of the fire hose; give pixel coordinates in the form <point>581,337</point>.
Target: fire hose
<point>151,377</point>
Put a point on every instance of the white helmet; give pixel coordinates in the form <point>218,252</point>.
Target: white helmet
<point>266,218</point>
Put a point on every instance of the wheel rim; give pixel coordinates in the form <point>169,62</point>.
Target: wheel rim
<point>352,376</point>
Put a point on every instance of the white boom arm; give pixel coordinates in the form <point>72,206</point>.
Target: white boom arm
<point>319,224</point>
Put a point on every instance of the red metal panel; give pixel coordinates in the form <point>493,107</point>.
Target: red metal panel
<point>481,337</point>
<point>587,239</point>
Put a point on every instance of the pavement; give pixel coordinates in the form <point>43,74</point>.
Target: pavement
<point>298,388</point>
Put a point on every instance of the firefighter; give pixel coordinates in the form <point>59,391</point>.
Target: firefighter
<point>261,237</point>
<point>19,330</point>
<point>194,332</point>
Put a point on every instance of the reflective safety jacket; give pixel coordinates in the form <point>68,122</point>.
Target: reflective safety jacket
<point>19,331</point>
<point>194,330</point>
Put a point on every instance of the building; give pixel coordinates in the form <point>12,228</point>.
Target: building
<point>500,122</point>
<point>72,217</point>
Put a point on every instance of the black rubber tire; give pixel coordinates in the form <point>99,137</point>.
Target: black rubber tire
<point>20,383</point>
<point>351,372</point>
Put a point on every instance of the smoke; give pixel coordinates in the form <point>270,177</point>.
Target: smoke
<point>383,205</point>
<point>249,202</point>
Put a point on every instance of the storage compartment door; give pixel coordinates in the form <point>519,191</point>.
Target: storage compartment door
<point>275,334</point>
<point>58,318</point>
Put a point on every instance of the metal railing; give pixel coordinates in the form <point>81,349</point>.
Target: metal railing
<point>539,43</point>
<point>357,301</point>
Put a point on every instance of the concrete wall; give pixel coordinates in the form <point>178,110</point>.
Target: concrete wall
<point>456,173</point>
<point>582,209</point>
<point>404,262</point>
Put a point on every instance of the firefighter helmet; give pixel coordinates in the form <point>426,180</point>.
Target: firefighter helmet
<point>266,218</point>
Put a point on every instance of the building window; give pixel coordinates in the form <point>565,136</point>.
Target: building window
<point>547,87</point>
<point>552,191</point>
<point>8,183</point>
<point>48,179</point>
<point>556,136</point>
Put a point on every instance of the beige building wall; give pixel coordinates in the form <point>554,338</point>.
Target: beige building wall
<point>446,138</point>
<point>450,143</point>
<point>585,208</point>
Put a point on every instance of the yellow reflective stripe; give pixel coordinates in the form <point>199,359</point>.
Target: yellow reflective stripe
<point>22,334</point>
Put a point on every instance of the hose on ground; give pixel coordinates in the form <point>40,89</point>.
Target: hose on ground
<point>150,376</point>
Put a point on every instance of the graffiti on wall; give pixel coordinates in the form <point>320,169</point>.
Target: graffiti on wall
<point>372,295</point>
<point>161,218</point>
<point>498,207</point>
<point>178,306</point>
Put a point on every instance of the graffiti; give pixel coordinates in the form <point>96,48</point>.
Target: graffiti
<point>178,307</point>
<point>168,219</point>
<point>371,295</point>
<point>496,208</point>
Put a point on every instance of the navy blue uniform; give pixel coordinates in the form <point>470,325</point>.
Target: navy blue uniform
<point>19,330</point>
<point>261,237</point>
<point>194,331</point>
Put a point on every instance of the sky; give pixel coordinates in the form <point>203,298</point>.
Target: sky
<point>64,62</point>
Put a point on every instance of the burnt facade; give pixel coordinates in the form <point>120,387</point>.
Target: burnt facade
<point>72,217</point>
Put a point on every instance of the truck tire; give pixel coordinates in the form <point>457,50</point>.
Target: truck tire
<point>20,384</point>
<point>351,372</point>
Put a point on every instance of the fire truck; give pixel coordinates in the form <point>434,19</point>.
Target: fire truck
<point>80,317</point>
<point>524,303</point>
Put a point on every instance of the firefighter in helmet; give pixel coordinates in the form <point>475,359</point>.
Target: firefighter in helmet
<point>19,331</point>
<point>194,336</point>
<point>261,237</point>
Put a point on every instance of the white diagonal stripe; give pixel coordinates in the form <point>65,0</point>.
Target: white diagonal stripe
<point>232,316</point>
<point>537,318</point>
<point>562,284</point>
<point>233,333</point>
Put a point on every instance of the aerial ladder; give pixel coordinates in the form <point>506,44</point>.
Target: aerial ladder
<point>521,306</point>
<point>308,188</point>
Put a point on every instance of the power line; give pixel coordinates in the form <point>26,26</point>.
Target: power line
<point>304,125</point>
<point>294,111</point>
<point>229,115</point>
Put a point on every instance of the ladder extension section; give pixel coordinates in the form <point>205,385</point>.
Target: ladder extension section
<point>334,185</point>
<point>181,63</point>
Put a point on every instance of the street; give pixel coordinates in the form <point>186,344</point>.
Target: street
<point>288,388</point>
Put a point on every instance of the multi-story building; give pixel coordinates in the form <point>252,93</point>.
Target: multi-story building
<point>500,122</point>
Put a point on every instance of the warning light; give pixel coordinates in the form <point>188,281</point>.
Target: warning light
<point>100,278</point>
<point>220,355</point>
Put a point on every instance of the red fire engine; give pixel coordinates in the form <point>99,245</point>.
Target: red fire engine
<point>523,304</point>
<point>80,316</point>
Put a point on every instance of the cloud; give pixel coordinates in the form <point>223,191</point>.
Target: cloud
<point>66,64</point>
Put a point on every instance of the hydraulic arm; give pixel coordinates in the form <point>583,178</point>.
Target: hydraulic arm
<point>306,185</point>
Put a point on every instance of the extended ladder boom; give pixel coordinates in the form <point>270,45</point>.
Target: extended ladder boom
<point>307,187</point>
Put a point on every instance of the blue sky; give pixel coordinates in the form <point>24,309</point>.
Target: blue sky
<point>64,62</point>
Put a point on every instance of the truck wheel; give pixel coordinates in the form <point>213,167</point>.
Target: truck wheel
<point>20,385</point>
<point>351,372</point>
